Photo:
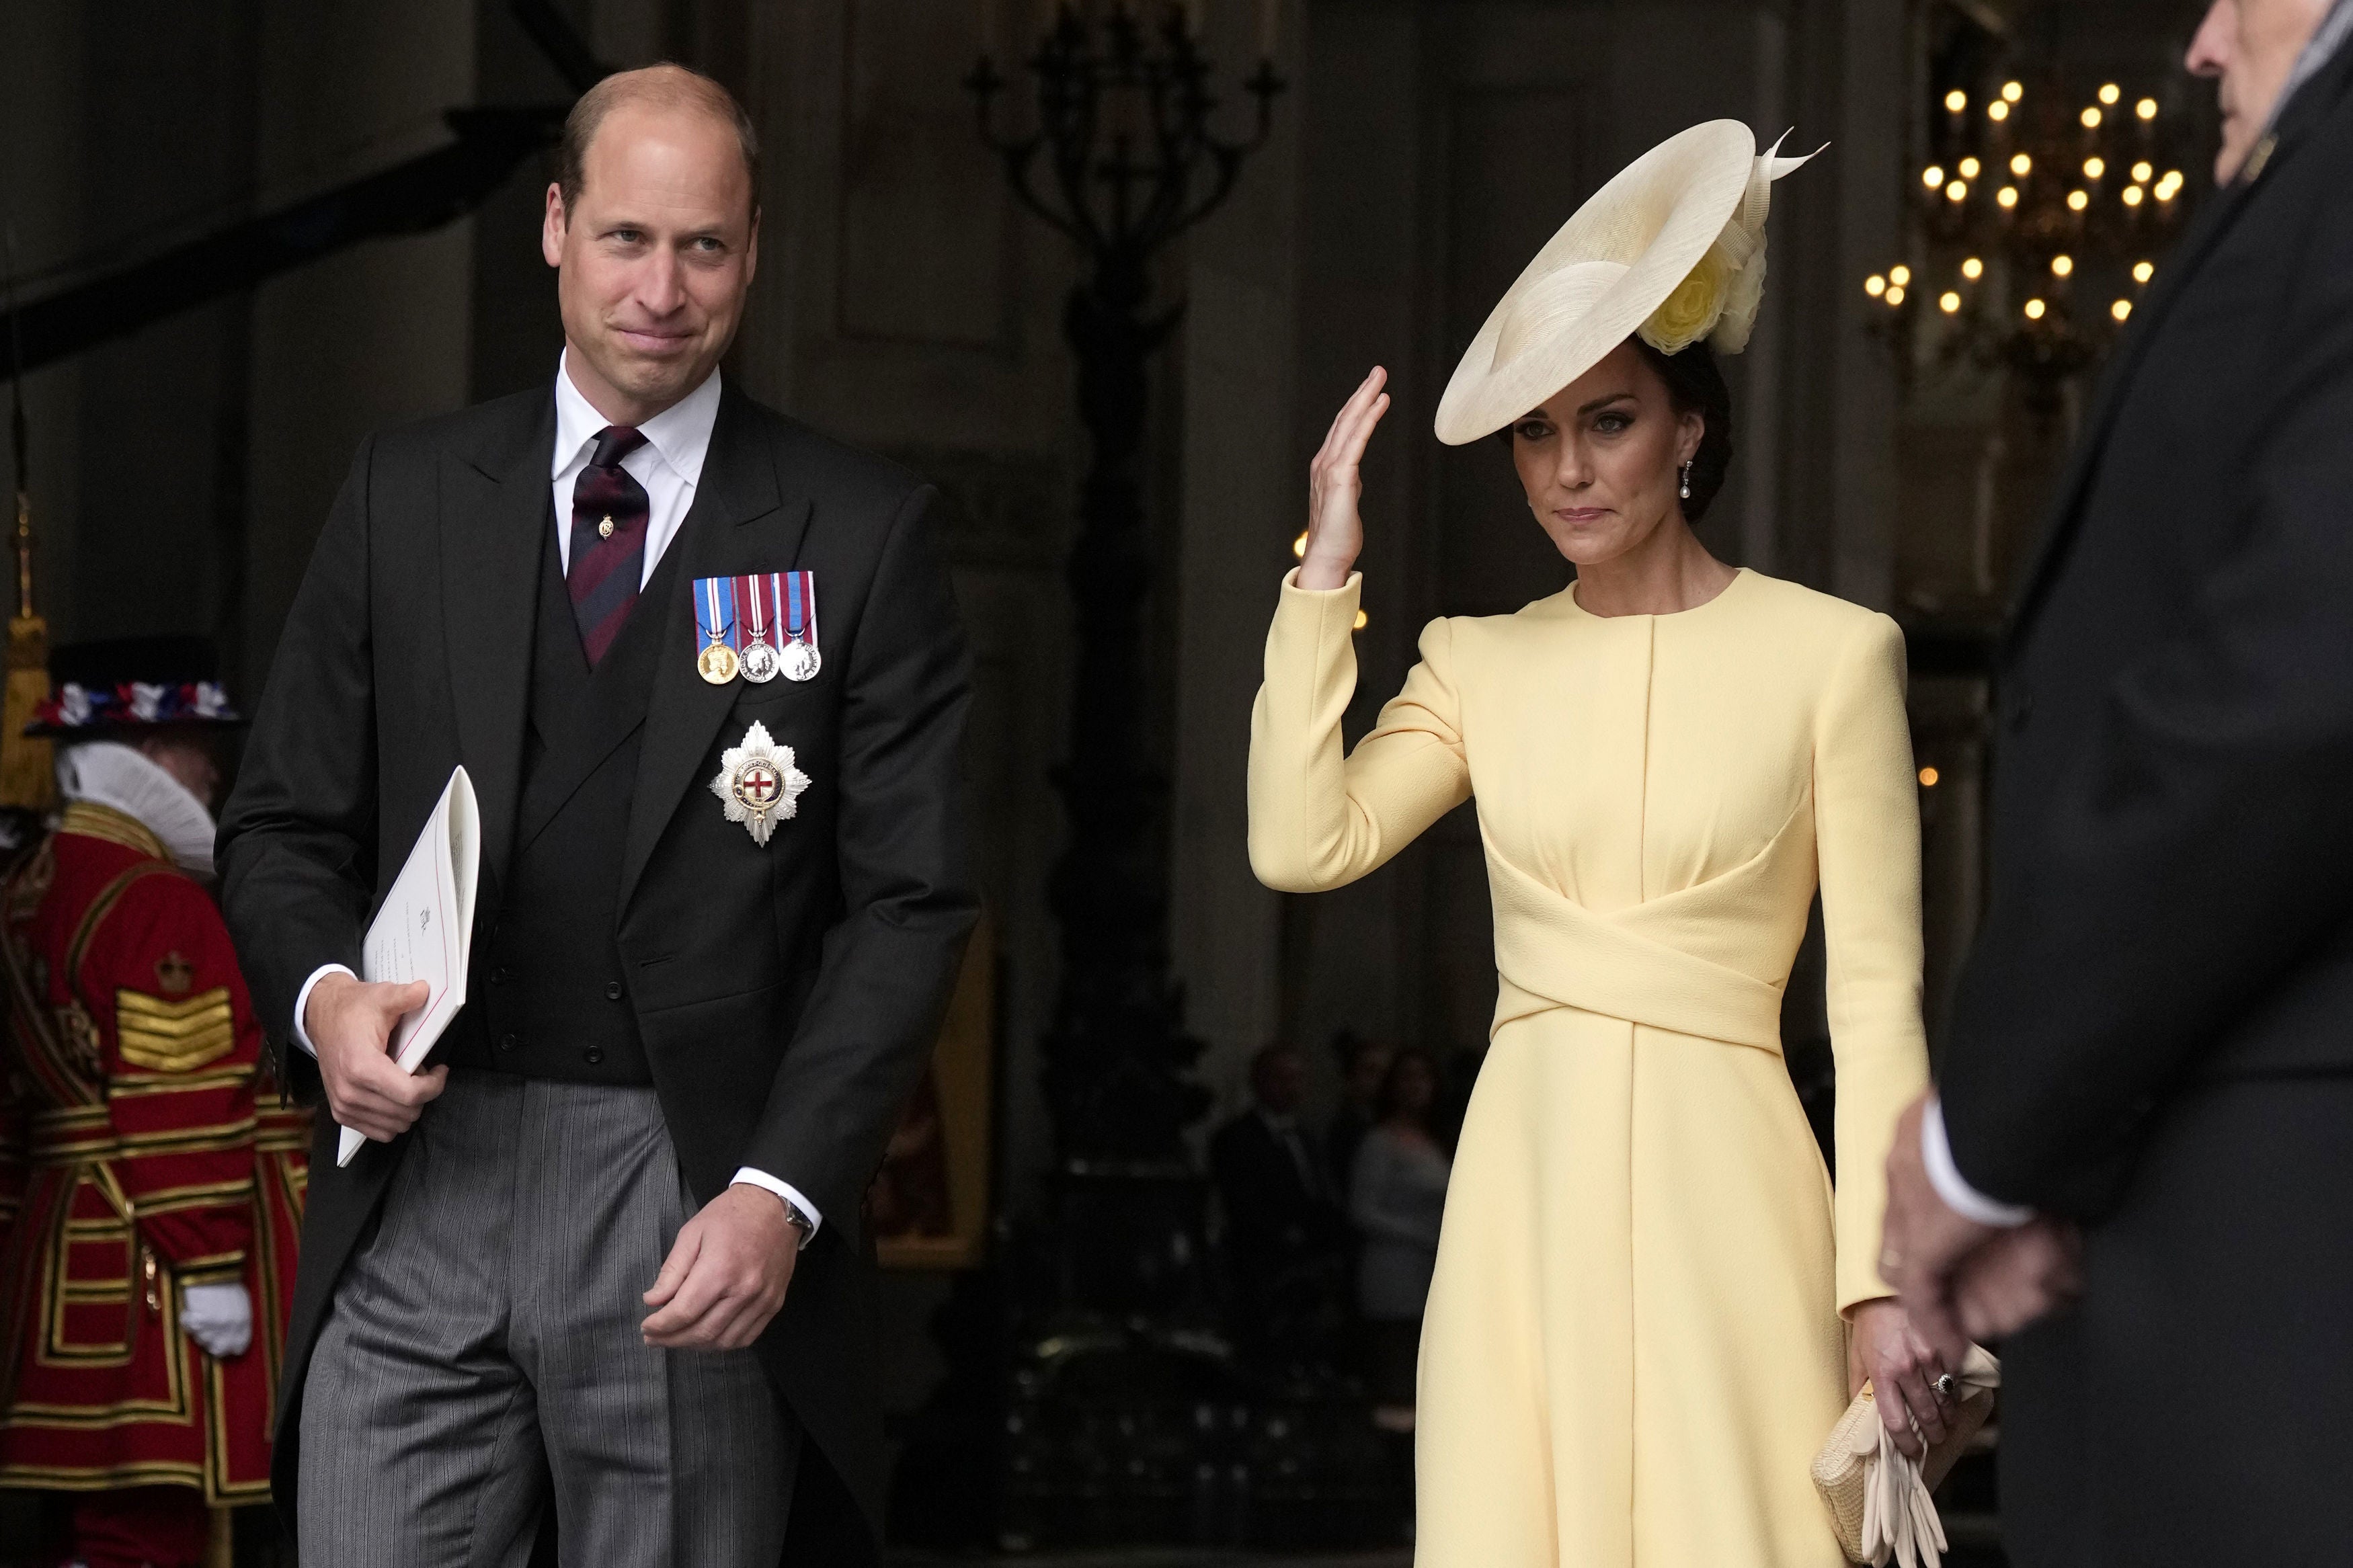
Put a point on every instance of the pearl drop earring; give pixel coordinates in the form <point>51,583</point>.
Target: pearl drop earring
<point>1687,469</point>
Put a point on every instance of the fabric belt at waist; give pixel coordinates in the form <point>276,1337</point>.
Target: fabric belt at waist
<point>1554,952</point>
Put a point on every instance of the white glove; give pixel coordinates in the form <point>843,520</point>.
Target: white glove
<point>219,1318</point>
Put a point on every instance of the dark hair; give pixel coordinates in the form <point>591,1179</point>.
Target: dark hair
<point>1695,385</point>
<point>1386,1104</point>
<point>664,86</point>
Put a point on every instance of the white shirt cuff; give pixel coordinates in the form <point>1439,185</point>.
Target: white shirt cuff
<point>1937,1153</point>
<point>786,1191</point>
<point>302,1002</point>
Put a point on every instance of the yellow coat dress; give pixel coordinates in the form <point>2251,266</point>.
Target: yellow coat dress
<point>1634,1344</point>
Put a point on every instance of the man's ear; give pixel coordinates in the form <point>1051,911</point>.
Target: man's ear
<point>551,229</point>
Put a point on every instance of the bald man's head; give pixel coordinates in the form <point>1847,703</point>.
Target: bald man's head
<point>662,88</point>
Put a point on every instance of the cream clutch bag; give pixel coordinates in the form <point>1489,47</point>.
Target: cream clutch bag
<point>1879,1500</point>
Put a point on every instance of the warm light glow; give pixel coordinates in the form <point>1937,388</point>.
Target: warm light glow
<point>1969,168</point>
<point>2143,271</point>
<point>2007,196</point>
<point>2012,91</point>
<point>2022,164</point>
<point>2121,308</point>
<point>1299,547</point>
<point>2111,93</point>
<point>1958,191</point>
<point>1997,110</point>
<point>2144,172</point>
<point>2034,309</point>
<point>1972,269</point>
<point>1874,285</point>
<point>2146,108</point>
<point>1363,620</point>
<point>1927,778</point>
<point>2077,201</point>
<point>2091,118</point>
<point>1933,176</point>
<point>1957,100</point>
<point>1895,295</point>
<point>2133,195</point>
<point>1899,275</point>
<point>2063,266</point>
<point>1948,302</point>
<point>2096,168</point>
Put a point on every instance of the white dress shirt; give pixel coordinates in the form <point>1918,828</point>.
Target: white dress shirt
<point>1937,1153</point>
<point>669,466</point>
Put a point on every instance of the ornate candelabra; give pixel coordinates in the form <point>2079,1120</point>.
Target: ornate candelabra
<point>2038,220</point>
<point>1123,159</point>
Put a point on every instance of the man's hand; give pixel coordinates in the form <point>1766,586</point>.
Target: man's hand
<point>350,1022</point>
<point>726,1274</point>
<point>2019,1277</point>
<point>1924,1243</point>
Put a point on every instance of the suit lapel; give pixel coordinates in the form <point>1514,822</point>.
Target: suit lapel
<point>491,535</point>
<point>739,486</point>
<point>2295,124</point>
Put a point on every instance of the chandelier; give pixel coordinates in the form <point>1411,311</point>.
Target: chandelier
<point>2036,221</point>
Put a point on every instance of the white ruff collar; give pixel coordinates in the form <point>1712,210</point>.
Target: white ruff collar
<point>108,773</point>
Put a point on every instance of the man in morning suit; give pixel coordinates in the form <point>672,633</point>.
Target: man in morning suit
<point>610,1236</point>
<point>2152,1041</point>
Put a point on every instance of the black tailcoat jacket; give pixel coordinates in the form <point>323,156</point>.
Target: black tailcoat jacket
<point>786,997</point>
<point>2157,1018</point>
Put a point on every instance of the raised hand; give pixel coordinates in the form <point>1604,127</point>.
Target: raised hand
<point>1336,531</point>
<point>350,1021</point>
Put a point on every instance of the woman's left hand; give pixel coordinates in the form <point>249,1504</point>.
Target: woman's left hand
<point>1903,1372</point>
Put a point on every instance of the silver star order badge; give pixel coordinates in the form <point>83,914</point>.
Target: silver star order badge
<point>758,783</point>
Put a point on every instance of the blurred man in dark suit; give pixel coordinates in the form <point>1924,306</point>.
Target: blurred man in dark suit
<point>1285,1227</point>
<point>2148,1090</point>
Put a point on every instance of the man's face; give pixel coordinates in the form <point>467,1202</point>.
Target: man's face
<point>655,259</point>
<point>2248,47</point>
<point>1281,1083</point>
<point>189,761</point>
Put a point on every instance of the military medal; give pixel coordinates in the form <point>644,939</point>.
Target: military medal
<point>758,614</point>
<point>715,619</point>
<point>758,785</point>
<point>802,660</point>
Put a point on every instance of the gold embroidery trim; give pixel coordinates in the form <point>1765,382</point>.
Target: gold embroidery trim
<point>174,1037</point>
<point>92,820</point>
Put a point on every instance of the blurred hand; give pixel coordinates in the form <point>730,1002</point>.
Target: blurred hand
<point>350,1023</point>
<point>726,1274</point>
<point>1924,1243</point>
<point>1336,531</point>
<point>2019,1277</point>
<point>1903,1370</point>
<point>219,1318</point>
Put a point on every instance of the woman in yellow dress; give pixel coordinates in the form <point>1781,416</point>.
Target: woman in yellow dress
<point>1650,1309</point>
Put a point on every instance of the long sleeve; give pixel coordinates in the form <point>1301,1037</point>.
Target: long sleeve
<point>1319,820</point>
<point>298,838</point>
<point>161,972</point>
<point>1867,832</point>
<point>910,901</point>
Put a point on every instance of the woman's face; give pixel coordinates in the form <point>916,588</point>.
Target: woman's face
<point>1601,460</point>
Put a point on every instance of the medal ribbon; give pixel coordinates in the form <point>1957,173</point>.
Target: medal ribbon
<point>756,607</point>
<point>800,606</point>
<point>715,615</point>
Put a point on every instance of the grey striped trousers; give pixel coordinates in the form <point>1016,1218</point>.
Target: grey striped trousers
<point>483,1357</point>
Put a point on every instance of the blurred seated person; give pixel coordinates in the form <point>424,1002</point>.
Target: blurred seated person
<point>1397,1196</point>
<point>1363,1064</point>
<point>1283,1225</point>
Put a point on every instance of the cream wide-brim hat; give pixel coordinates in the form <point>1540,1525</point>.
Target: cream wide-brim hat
<point>1673,249</point>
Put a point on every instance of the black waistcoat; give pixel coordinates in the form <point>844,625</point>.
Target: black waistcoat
<point>547,997</point>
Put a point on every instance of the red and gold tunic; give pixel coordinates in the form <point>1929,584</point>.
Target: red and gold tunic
<point>146,1169</point>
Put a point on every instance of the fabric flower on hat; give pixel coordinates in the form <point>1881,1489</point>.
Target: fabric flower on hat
<point>1692,311</point>
<point>73,704</point>
<point>147,701</point>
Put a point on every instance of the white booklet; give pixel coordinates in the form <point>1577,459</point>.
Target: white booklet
<point>426,930</point>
